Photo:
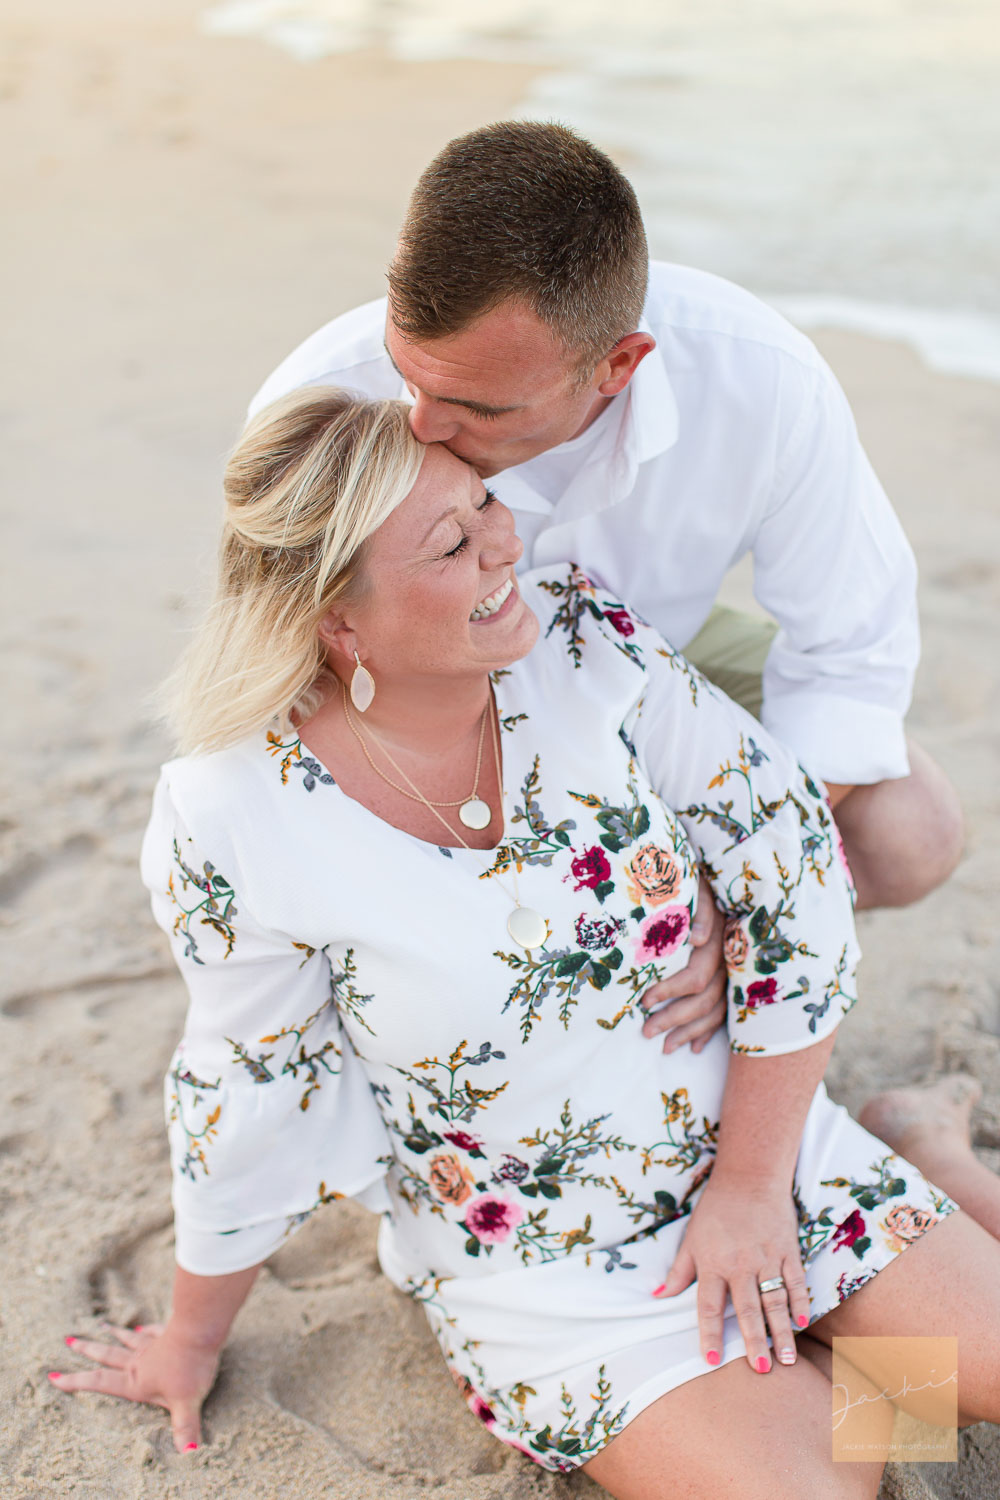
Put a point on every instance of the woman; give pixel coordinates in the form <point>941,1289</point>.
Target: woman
<point>421,865</point>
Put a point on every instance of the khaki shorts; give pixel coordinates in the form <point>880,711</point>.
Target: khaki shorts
<point>730,649</point>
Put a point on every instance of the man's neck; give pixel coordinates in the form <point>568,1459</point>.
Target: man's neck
<point>601,403</point>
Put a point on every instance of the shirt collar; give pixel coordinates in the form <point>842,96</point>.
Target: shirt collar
<point>651,423</point>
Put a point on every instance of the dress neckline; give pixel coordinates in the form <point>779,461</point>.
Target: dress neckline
<point>496,679</point>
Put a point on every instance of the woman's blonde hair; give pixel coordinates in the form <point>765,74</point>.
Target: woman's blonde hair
<point>312,477</point>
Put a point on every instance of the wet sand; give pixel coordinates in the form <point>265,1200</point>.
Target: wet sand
<point>182,211</point>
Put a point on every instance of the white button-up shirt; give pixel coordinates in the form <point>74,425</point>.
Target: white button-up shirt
<point>734,437</point>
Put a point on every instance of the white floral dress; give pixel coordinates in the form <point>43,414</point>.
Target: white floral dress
<point>362,1025</point>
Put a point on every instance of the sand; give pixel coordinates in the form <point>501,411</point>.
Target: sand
<point>180,212</point>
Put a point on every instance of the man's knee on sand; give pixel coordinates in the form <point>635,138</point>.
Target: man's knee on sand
<point>905,837</point>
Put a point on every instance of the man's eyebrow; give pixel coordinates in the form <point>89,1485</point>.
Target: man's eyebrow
<point>475,406</point>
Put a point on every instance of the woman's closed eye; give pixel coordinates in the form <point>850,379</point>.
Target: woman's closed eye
<point>461,546</point>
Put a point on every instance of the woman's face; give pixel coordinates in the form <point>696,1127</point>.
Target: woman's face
<point>442,600</point>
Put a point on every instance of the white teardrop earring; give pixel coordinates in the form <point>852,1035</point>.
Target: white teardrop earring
<point>362,686</point>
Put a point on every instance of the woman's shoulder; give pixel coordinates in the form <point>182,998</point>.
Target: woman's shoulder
<point>224,778</point>
<point>241,798</point>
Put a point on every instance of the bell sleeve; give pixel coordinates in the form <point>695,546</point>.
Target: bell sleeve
<point>766,839</point>
<point>269,1110</point>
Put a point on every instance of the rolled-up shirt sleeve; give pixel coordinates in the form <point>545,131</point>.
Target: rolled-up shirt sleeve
<point>269,1110</point>
<point>766,839</point>
<point>832,564</point>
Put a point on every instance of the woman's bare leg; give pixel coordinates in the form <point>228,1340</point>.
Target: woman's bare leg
<point>929,1126</point>
<point>946,1284</point>
<point>734,1432</point>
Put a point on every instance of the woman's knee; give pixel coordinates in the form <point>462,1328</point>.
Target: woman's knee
<point>748,1435</point>
<point>946,1285</point>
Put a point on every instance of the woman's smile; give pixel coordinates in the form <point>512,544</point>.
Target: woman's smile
<point>494,603</point>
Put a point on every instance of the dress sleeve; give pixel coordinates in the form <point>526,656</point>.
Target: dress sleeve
<point>269,1110</point>
<point>766,840</point>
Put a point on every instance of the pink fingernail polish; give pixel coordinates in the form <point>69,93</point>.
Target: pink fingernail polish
<point>658,1291</point>
<point>713,1356</point>
<point>55,1375</point>
<point>70,1340</point>
<point>139,1328</point>
<point>763,1365</point>
<point>190,1447</point>
<point>802,1320</point>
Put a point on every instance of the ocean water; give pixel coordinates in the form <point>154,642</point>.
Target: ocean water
<point>839,157</point>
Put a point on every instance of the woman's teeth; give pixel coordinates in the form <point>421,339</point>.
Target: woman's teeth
<point>490,605</point>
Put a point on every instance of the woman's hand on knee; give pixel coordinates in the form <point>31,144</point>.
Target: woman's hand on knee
<point>153,1364</point>
<point>737,1238</point>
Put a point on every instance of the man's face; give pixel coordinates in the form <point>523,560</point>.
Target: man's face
<point>497,393</point>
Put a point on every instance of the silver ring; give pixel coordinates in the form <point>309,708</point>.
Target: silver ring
<point>774,1285</point>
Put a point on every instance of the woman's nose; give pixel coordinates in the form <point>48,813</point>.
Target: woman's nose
<point>429,421</point>
<point>502,546</point>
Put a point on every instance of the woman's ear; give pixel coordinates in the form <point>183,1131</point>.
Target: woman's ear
<point>337,635</point>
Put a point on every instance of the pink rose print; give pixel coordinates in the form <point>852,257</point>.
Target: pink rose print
<point>662,933</point>
<point>590,868</point>
<point>619,618</point>
<point>845,1234</point>
<point>491,1218</point>
<point>762,992</point>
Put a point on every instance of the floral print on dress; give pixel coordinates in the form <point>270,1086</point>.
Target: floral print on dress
<point>505,1098</point>
<point>292,758</point>
<point>216,907</point>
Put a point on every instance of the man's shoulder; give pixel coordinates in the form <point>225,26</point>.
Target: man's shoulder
<point>349,351</point>
<point>698,309</point>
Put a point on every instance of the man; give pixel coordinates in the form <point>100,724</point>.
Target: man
<point>654,423</point>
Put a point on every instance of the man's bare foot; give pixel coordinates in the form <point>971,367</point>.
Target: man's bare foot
<point>926,1118</point>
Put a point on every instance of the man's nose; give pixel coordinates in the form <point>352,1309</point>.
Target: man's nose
<point>430,422</point>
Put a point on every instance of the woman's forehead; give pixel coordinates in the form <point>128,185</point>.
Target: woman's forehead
<point>444,487</point>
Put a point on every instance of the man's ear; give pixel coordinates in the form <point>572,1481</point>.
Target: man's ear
<point>623,361</point>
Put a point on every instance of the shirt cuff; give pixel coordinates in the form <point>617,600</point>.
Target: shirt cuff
<point>843,740</point>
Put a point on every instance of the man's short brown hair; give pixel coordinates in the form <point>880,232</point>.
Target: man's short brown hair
<point>522,211</point>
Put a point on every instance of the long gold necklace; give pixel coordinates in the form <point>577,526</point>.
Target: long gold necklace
<point>526,926</point>
<point>473,810</point>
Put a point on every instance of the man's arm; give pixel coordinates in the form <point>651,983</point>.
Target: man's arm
<point>832,565</point>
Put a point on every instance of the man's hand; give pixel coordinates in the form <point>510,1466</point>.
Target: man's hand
<point>697,994</point>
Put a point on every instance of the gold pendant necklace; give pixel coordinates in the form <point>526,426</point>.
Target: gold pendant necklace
<point>526,926</point>
<point>473,811</point>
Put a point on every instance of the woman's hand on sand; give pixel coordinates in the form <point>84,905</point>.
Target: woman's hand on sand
<point>153,1364</point>
<point>736,1238</point>
<point>697,993</point>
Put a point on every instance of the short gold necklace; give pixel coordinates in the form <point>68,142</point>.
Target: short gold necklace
<point>526,926</point>
<point>473,810</point>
